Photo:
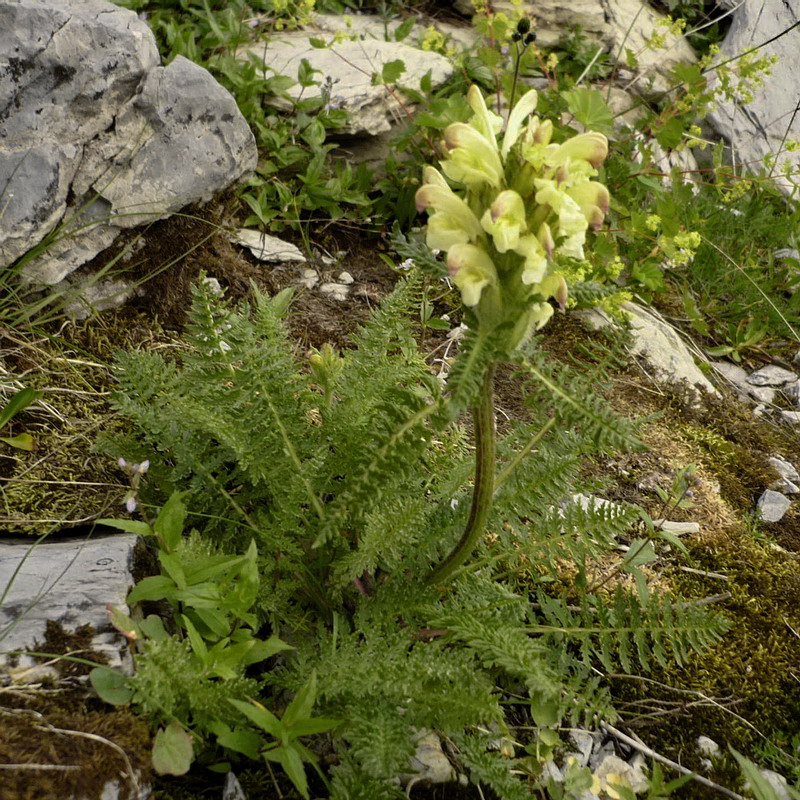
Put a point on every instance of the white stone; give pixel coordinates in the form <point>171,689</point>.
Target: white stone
<point>762,394</point>
<point>69,581</point>
<point>676,528</point>
<point>346,278</point>
<point>761,127</point>
<point>429,761</point>
<point>337,291</point>
<point>268,248</point>
<point>773,505</point>
<point>309,279</point>
<point>792,417</point>
<point>772,375</point>
<point>707,746</point>
<point>777,783</point>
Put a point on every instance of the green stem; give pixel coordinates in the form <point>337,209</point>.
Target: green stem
<point>483,490</point>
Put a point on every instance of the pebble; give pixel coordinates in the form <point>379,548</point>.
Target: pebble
<point>346,278</point>
<point>707,746</point>
<point>792,417</point>
<point>337,291</point>
<point>789,480</point>
<point>676,528</point>
<point>773,505</point>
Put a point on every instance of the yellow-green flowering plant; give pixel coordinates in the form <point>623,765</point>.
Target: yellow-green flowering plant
<point>505,201</point>
<point>520,199</point>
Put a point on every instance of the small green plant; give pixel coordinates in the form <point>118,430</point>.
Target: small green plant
<point>18,402</point>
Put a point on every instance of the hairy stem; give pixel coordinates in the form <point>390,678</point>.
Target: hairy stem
<point>483,490</point>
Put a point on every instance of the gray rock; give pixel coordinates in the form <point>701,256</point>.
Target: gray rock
<point>762,394</point>
<point>792,417</point>
<point>351,66</point>
<point>268,248</point>
<point>761,127</point>
<point>95,137</point>
<point>773,505</point>
<point>233,789</point>
<point>772,375</point>
<point>789,478</point>
<point>69,581</point>
<point>98,296</point>
<point>658,343</point>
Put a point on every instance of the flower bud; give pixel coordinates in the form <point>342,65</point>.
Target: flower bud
<point>523,25</point>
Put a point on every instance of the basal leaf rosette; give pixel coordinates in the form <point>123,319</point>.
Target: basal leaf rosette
<point>520,200</point>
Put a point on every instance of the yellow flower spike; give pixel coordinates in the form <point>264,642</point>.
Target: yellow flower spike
<point>472,270</point>
<point>571,221</point>
<point>473,158</point>
<point>535,267</point>
<point>505,220</point>
<point>486,122</point>
<point>591,147</point>
<point>524,108</point>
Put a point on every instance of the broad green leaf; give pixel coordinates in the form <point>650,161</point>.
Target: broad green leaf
<point>589,108</point>
<point>292,765</point>
<point>169,524</point>
<point>305,73</point>
<point>195,639</point>
<point>392,70</point>
<point>18,402</point>
<point>22,441</point>
<point>241,741</point>
<point>265,720</point>
<point>759,785</point>
<point>111,686</point>
<point>154,587</point>
<point>172,750</point>
<point>402,30</point>
<point>318,44</point>
<point>128,525</point>
<point>171,564</point>
<point>263,650</point>
<point>153,628</point>
<point>300,707</point>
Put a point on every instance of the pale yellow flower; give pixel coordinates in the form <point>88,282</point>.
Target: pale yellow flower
<point>472,270</point>
<point>505,220</point>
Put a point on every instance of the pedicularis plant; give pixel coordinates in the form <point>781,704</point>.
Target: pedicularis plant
<point>524,200</point>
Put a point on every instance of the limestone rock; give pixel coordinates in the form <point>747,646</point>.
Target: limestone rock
<point>772,375</point>
<point>69,581</point>
<point>95,136</point>
<point>773,505</point>
<point>789,481</point>
<point>760,127</point>
<point>350,65</point>
<point>658,343</point>
<point>268,248</point>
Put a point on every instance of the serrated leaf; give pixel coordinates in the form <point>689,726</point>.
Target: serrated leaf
<point>173,752</point>
<point>589,108</point>
<point>392,70</point>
